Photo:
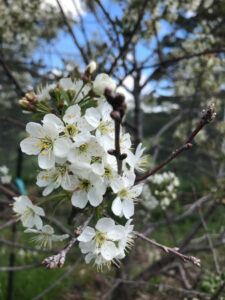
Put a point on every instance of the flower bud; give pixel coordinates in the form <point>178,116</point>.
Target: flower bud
<point>25,104</point>
<point>31,97</point>
<point>91,68</point>
<point>102,82</point>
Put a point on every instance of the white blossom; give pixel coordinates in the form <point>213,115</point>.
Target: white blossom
<point>55,177</point>
<point>101,82</point>
<point>106,243</point>
<point>42,93</point>
<point>29,214</point>
<point>100,119</point>
<point>88,188</point>
<point>126,194</point>
<point>137,161</point>
<point>45,142</point>
<point>91,67</point>
<point>4,176</point>
<point>45,236</point>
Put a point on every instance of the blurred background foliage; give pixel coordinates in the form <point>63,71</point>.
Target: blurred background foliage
<point>168,58</point>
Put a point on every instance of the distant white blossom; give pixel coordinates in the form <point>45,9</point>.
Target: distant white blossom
<point>106,243</point>
<point>29,214</point>
<point>45,236</point>
<point>101,82</point>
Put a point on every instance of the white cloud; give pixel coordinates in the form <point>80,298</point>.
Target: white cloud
<point>70,7</point>
<point>129,83</point>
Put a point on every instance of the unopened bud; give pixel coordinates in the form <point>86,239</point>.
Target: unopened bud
<point>115,115</point>
<point>123,156</point>
<point>25,104</point>
<point>31,97</point>
<point>111,152</point>
<point>91,68</point>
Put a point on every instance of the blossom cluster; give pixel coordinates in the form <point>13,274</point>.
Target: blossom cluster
<point>161,190</point>
<point>72,145</point>
<point>106,243</point>
<point>5,178</point>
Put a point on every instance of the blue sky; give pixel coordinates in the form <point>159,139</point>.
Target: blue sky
<point>63,46</point>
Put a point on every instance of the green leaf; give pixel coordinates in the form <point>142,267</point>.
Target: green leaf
<point>65,96</point>
<point>86,105</point>
<point>56,205</point>
<point>38,116</point>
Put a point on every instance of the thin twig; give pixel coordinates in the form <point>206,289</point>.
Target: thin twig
<point>7,224</point>
<point>83,54</point>
<point>129,39</point>
<point>54,284</point>
<point>59,259</point>
<point>20,268</point>
<point>12,121</point>
<point>174,251</point>
<point>210,242</point>
<point>207,116</point>
<point>11,76</point>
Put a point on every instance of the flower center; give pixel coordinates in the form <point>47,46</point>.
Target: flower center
<point>123,193</point>
<point>100,237</point>
<point>96,159</point>
<point>71,130</point>
<point>28,213</point>
<point>103,127</point>
<point>83,148</point>
<point>85,184</point>
<point>45,143</point>
<point>108,172</point>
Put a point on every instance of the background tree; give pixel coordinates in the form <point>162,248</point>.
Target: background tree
<point>168,59</point>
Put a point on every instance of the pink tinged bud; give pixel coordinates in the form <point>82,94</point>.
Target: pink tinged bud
<point>91,68</point>
<point>31,97</point>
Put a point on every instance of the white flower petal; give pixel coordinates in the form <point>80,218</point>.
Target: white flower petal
<point>72,114</point>
<point>48,189</point>
<point>35,130</point>
<point>117,206</point>
<point>53,119</point>
<point>89,257</point>
<point>46,159</point>
<point>108,250</point>
<point>136,190</point>
<point>94,197</point>
<point>93,117</point>
<point>62,146</point>
<point>79,199</point>
<point>48,229</point>
<point>105,224</point>
<point>87,234</point>
<point>128,208</point>
<point>30,146</point>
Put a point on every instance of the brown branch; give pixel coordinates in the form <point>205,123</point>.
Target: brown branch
<point>7,192</point>
<point>20,268</point>
<point>12,121</point>
<point>10,75</point>
<point>116,282</point>
<point>172,61</point>
<point>59,259</point>
<point>83,54</point>
<point>107,15</point>
<point>210,242</point>
<point>131,35</point>
<point>61,278</point>
<point>119,108</point>
<point>7,224</point>
<point>174,251</point>
<point>19,246</point>
<point>207,116</point>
